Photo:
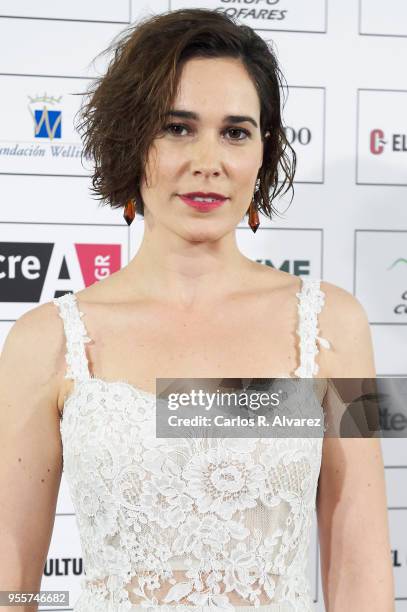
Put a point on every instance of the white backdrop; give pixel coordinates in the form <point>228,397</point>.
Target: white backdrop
<point>344,63</point>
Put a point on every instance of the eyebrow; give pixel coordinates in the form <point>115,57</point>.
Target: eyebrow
<point>184,114</point>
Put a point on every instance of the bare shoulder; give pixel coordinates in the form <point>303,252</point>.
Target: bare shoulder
<point>342,311</point>
<point>272,279</point>
<point>344,322</point>
<point>110,290</point>
<point>38,328</point>
<point>33,350</point>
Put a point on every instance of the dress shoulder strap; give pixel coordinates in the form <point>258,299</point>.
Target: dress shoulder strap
<point>311,299</point>
<point>75,335</point>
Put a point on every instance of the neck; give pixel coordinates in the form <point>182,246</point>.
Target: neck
<point>185,273</point>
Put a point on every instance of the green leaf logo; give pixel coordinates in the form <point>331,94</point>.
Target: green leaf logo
<point>399,260</point>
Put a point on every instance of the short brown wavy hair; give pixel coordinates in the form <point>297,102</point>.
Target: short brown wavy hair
<point>124,110</point>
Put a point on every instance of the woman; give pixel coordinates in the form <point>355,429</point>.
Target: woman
<point>189,109</point>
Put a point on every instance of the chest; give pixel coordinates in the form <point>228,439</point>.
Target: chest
<point>245,340</point>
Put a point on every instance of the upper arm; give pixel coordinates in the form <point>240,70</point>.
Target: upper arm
<point>344,322</point>
<point>351,498</point>
<point>30,443</point>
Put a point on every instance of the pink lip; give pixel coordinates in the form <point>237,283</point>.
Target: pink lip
<point>203,206</point>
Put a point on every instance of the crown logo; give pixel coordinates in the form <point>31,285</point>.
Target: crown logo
<point>47,121</point>
<point>46,99</point>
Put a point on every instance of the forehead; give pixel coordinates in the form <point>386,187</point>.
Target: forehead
<point>216,86</point>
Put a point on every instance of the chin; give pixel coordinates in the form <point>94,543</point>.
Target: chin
<point>203,235</point>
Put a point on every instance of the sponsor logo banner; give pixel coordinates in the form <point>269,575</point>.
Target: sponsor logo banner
<point>381,274</point>
<point>61,258</point>
<point>382,138</point>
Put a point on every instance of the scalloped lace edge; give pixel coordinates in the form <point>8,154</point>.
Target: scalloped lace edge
<point>75,335</point>
<point>311,300</point>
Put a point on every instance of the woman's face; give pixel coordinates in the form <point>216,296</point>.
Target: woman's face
<point>206,152</point>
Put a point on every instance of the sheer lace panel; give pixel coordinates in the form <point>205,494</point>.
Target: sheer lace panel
<point>184,523</point>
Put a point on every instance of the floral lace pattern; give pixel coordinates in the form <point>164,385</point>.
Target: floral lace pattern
<point>311,301</point>
<point>233,513</point>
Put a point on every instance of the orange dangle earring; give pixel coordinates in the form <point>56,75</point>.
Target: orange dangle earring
<point>129,212</point>
<point>254,220</point>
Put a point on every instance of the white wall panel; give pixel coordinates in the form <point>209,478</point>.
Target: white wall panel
<point>55,48</point>
<point>91,10</point>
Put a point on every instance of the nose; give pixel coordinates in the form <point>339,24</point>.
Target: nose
<point>206,157</point>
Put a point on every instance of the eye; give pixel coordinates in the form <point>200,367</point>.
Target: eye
<point>171,126</point>
<point>246,132</point>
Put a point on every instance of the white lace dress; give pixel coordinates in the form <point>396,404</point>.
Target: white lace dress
<point>234,514</point>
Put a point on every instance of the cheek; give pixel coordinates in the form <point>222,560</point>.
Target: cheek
<point>160,165</point>
<point>168,169</point>
<point>248,166</point>
<point>166,165</point>
<point>244,165</point>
